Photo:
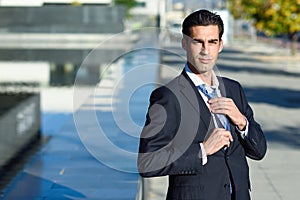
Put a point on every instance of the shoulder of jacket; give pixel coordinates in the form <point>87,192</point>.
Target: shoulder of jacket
<point>173,83</point>
<point>226,81</point>
<point>169,88</point>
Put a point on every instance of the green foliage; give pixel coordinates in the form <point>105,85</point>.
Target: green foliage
<point>129,4</point>
<point>274,17</point>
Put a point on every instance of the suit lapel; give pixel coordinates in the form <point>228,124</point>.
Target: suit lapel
<point>226,92</point>
<point>222,87</point>
<point>190,92</point>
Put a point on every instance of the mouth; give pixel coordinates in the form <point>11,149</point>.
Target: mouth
<point>205,60</point>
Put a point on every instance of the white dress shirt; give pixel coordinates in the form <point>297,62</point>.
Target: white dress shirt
<point>215,84</point>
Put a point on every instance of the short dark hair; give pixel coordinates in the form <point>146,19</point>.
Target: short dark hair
<point>202,18</point>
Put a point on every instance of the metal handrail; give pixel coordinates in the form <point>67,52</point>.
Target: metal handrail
<point>140,191</point>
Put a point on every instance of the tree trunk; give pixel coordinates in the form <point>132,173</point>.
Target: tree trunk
<point>294,46</point>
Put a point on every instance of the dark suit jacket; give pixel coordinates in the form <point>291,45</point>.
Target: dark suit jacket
<point>176,122</point>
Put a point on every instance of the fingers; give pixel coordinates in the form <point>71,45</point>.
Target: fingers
<point>227,135</point>
<point>227,138</point>
<point>221,105</point>
<point>226,106</point>
<point>217,140</point>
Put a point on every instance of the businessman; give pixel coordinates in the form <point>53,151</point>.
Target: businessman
<point>199,127</point>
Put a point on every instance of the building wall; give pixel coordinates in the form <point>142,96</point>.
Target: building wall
<point>62,19</point>
<point>41,2</point>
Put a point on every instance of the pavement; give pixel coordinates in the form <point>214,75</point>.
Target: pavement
<point>91,133</point>
<point>271,80</point>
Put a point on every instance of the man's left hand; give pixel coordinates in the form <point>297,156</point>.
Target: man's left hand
<point>226,106</point>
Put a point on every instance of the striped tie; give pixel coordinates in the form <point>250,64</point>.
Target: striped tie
<point>221,119</point>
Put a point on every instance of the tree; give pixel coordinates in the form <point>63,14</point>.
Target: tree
<point>273,17</point>
<point>129,4</point>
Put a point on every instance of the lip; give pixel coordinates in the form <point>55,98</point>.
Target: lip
<point>205,60</point>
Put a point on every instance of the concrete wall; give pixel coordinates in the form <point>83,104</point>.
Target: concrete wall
<point>19,123</point>
<point>62,19</point>
<point>25,72</point>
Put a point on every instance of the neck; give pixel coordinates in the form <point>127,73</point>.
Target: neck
<point>206,76</point>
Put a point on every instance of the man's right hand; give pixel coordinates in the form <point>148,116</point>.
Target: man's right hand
<point>217,140</point>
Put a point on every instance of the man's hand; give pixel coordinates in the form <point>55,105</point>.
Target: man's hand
<point>226,106</point>
<point>217,140</point>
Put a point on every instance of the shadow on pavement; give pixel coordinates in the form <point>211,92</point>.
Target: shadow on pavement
<point>231,55</point>
<point>239,56</point>
<point>251,69</point>
<point>280,97</point>
<point>288,136</point>
<point>32,187</point>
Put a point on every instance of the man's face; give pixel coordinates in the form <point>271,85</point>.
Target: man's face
<point>203,47</point>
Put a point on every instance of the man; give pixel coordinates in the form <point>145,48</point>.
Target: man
<point>200,127</point>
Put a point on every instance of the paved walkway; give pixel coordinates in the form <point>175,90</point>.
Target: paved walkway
<point>271,79</point>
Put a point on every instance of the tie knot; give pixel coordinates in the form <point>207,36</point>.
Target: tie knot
<point>211,93</point>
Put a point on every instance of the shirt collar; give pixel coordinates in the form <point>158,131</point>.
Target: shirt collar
<point>198,81</point>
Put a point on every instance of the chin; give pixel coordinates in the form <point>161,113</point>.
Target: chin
<point>203,68</point>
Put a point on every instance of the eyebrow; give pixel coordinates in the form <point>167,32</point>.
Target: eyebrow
<point>200,40</point>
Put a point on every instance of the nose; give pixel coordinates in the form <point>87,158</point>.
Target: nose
<point>204,49</point>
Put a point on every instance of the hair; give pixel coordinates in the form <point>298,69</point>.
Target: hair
<point>202,18</point>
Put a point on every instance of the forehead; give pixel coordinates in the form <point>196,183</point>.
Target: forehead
<point>211,32</point>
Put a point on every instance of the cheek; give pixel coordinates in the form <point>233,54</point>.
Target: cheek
<point>215,51</point>
<point>194,49</point>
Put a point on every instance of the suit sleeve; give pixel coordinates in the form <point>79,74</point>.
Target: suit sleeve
<point>254,143</point>
<point>160,153</point>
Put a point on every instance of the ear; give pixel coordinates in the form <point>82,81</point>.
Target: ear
<point>221,46</point>
<point>183,43</point>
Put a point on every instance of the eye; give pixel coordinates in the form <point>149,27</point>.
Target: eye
<point>194,41</point>
<point>213,41</point>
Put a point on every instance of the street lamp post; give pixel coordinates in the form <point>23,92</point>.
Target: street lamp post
<point>161,13</point>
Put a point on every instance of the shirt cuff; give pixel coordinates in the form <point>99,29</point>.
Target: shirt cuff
<point>203,154</point>
<point>244,133</point>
